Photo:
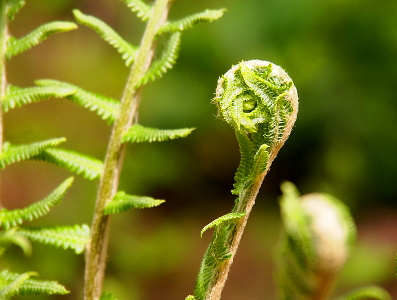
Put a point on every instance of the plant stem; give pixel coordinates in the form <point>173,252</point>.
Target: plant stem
<point>97,249</point>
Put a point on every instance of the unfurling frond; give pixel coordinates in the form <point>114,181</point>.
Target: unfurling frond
<point>75,237</point>
<point>107,108</point>
<point>20,284</point>
<point>368,292</point>
<point>142,9</point>
<point>9,218</point>
<point>91,168</point>
<point>188,22</point>
<point>108,34</point>
<point>12,154</point>
<point>221,220</point>
<point>17,46</point>
<point>166,61</point>
<point>107,296</point>
<point>139,134</point>
<point>13,6</point>
<point>122,202</point>
<point>16,96</point>
<point>12,236</point>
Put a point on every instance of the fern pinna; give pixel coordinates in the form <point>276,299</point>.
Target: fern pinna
<point>258,99</point>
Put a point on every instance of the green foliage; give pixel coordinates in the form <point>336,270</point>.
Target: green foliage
<point>142,10</point>
<point>139,134</point>
<point>122,202</point>
<point>12,154</point>
<point>222,220</point>
<point>107,108</point>
<point>13,6</point>
<point>17,46</point>
<point>75,237</point>
<point>12,236</point>
<point>89,167</point>
<point>107,296</point>
<point>108,34</point>
<point>20,284</point>
<point>15,217</point>
<point>370,292</point>
<point>16,96</point>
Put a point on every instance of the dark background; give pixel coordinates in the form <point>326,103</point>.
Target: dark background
<point>342,56</point>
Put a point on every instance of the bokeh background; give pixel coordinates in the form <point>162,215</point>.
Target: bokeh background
<point>342,56</point>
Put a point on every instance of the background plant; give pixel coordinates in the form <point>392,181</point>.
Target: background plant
<point>342,144</point>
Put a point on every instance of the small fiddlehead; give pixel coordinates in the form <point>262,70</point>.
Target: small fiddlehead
<point>259,100</point>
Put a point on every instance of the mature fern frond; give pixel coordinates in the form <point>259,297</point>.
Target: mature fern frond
<point>27,286</point>
<point>166,61</point>
<point>91,168</point>
<point>226,218</point>
<point>107,296</point>
<point>244,171</point>
<point>369,292</point>
<point>188,22</point>
<point>13,6</point>
<point>73,237</point>
<point>12,236</point>
<point>17,46</point>
<point>107,108</point>
<point>12,154</point>
<point>142,9</point>
<point>108,34</point>
<point>17,96</point>
<point>122,202</point>
<point>15,217</point>
<point>139,134</point>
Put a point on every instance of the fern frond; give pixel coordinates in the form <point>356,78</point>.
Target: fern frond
<point>12,236</point>
<point>260,160</point>
<point>40,34</point>
<point>27,286</point>
<point>190,297</point>
<point>10,284</point>
<point>142,9</point>
<point>17,96</point>
<point>107,108</point>
<point>9,218</point>
<point>166,61</point>
<point>91,168</point>
<point>122,202</point>
<point>126,50</point>
<point>139,134</point>
<point>107,296</point>
<point>73,237</point>
<point>188,22</point>
<point>13,6</point>
<point>12,154</point>
<point>369,292</point>
<point>225,218</point>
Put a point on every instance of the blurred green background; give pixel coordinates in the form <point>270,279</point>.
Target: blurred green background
<point>342,56</point>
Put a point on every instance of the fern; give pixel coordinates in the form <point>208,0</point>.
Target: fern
<point>12,236</point>
<point>12,154</point>
<point>16,96</point>
<point>89,167</point>
<point>122,202</point>
<point>138,6</point>
<point>75,237</point>
<point>370,292</point>
<point>15,217</point>
<point>139,134</point>
<point>166,61</point>
<point>17,46</point>
<point>108,34</point>
<point>188,22</point>
<point>221,220</point>
<point>13,6</point>
<point>107,108</point>
<point>107,296</point>
<point>21,284</point>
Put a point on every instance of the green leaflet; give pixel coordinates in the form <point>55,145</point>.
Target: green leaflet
<point>107,108</point>
<point>13,6</point>
<point>87,166</point>
<point>108,34</point>
<point>107,296</point>
<point>369,292</point>
<point>12,236</point>
<point>166,61</point>
<point>73,237</point>
<point>139,134</point>
<point>122,202</point>
<point>221,220</point>
<point>140,8</point>
<point>17,46</point>
<point>9,218</point>
<point>12,154</point>
<point>16,96</point>
<point>20,284</point>
<point>188,22</point>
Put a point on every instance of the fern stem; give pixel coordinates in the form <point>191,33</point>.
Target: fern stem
<point>97,249</point>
